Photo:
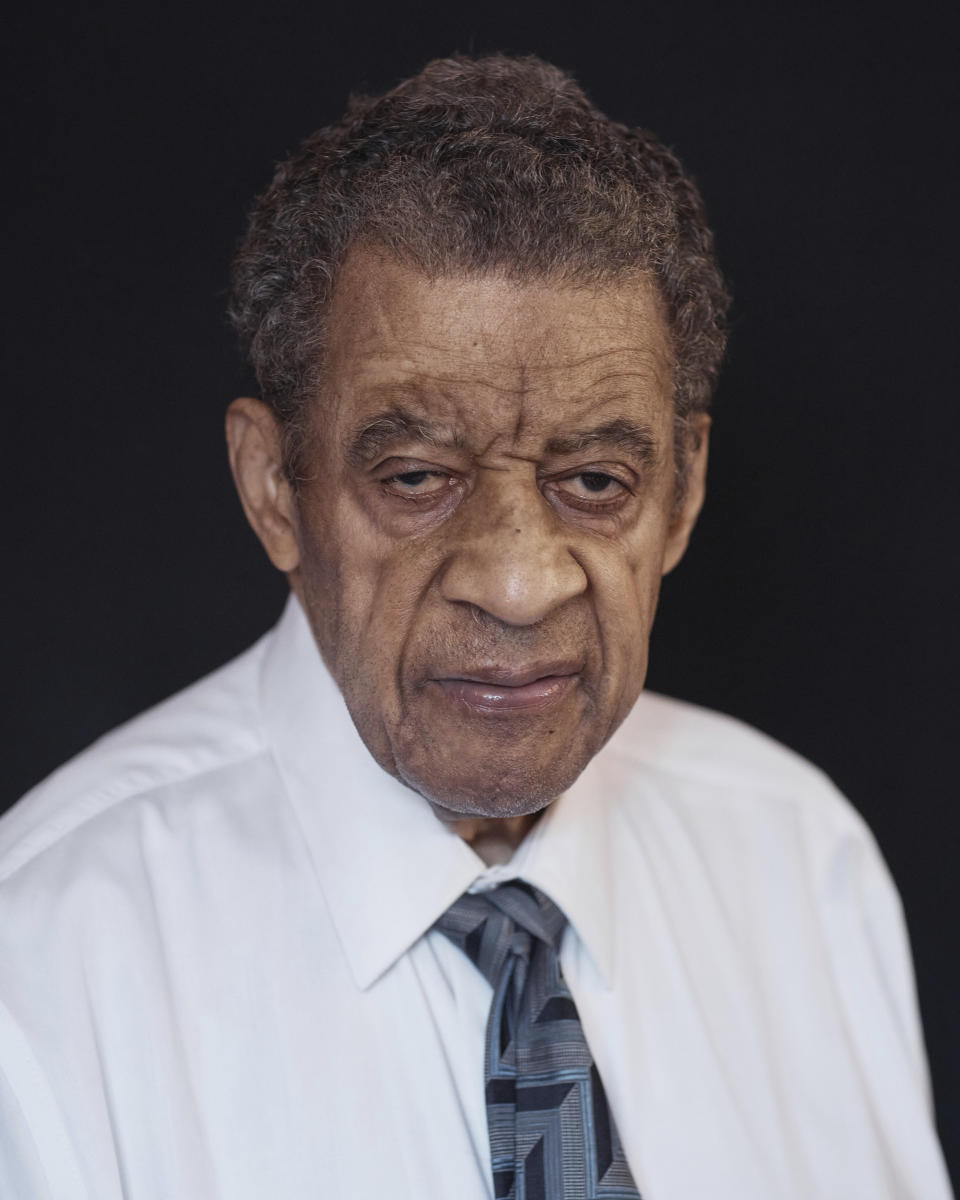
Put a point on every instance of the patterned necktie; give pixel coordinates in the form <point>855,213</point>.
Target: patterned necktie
<point>552,1136</point>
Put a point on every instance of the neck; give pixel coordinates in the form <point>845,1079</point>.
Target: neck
<point>495,839</point>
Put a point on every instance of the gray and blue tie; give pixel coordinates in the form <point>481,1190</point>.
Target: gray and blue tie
<point>552,1135</point>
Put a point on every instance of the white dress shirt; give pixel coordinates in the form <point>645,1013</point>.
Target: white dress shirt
<point>217,980</point>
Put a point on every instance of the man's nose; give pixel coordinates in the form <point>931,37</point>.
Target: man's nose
<point>514,562</point>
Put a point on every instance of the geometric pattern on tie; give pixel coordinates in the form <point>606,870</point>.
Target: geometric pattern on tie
<point>552,1135</point>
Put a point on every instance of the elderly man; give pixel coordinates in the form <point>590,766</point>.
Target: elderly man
<point>420,897</point>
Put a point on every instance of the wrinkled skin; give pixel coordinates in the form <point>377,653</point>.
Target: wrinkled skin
<point>444,533</point>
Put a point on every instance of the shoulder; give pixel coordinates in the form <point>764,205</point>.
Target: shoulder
<point>720,768</point>
<point>719,800</point>
<point>210,727</point>
<point>727,821</point>
<point>682,738</point>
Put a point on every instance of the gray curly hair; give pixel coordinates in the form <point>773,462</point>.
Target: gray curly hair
<point>490,164</point>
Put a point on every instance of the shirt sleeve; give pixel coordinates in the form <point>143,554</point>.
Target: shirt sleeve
<point>21,1171</point>
<point>37,1161</point>
<point>869,953</point>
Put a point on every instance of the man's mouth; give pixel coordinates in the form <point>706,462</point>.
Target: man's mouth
<point>517,689</point>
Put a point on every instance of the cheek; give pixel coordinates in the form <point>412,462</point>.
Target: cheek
<point>625,614</point>
<point>333,587</point>
<point>364,592</point>
<point>626,588</point>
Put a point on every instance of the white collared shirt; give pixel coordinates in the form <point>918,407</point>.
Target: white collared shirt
<point>217,980</point>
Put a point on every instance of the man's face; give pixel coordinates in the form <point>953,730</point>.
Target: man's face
<point>485,519</point>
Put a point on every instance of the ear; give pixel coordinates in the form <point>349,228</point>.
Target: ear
<point>685,516</point>
<point>254,443</point>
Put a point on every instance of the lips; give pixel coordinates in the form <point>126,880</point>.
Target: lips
<point>518,689</point>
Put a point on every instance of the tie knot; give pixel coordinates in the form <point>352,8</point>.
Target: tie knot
<point>509,919</point>
<point>521,943</point>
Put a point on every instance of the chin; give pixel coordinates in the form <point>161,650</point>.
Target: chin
<point>506,791</point>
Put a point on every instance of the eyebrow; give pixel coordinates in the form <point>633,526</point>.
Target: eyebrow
<point>399,425</point>
<point>633,438</point>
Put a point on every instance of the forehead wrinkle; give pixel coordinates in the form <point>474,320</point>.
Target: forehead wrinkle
<point>621,388</point>
<point>519,423</point>
<point>625,387</point>
<point>647,354</point>
<point>653,375</point>
<point>387,378</point>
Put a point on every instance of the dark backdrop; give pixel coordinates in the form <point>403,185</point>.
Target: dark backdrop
<point>818,600</point>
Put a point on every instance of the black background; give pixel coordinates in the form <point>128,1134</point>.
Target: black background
<point>819,598</point>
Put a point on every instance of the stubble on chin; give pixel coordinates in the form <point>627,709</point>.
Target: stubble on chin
<point>492,772</point>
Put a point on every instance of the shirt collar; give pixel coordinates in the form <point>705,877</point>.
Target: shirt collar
<point>387,867</point>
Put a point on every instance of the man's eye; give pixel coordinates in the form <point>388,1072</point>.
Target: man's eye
<point>417,483</point>
<point>591,486</point>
